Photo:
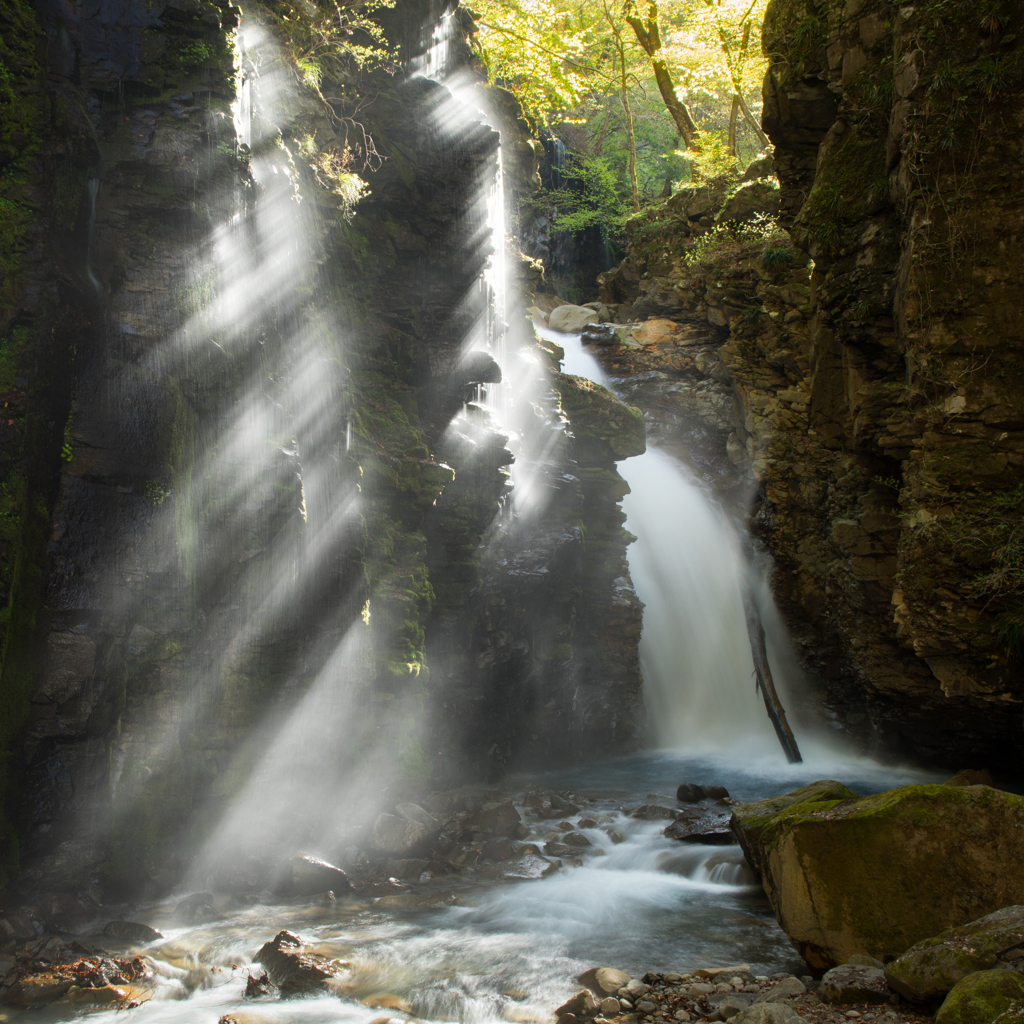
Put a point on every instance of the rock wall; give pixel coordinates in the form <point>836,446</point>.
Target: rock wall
<point>874,398</point>
<point>165,481</point>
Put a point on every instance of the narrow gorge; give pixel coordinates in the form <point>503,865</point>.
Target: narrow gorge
<point>354,582</point>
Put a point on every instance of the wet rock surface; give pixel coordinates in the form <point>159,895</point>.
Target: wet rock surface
<point>721,993</point>
<point>935,882</point>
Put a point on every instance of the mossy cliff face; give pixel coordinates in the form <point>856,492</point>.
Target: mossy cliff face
<point>901,550</point>
<point>873,394</point>
<point>931,857</point>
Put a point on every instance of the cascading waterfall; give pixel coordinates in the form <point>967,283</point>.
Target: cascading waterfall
<point>690,570</point>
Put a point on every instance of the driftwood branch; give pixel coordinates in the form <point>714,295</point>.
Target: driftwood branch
<point>765,683</point>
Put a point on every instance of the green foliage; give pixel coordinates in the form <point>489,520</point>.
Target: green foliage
<point>775,257</point>
<point>712,161</point>
<point>598,198</point>
<point>725,242</point>
<point>985,530</point>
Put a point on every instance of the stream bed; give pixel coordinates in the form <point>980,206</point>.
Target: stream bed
<point>510,951</point>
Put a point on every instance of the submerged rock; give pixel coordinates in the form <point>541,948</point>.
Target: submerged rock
<point>819,849</point>
<point>131,931</point>
<point>303,875</point>
<point>196,909</point>
<point>298,973</point>
<point>527,864</point>
<point>502,820</point>
<point>928,970</point>
<point>38,990</point>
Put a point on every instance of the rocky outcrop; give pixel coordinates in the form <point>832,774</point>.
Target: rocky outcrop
<point>221,486</point>
<point>944,851</point>
<point>872,393</point>
<point>929,969</point>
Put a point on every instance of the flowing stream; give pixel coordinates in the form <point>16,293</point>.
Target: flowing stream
<point>511,951</point>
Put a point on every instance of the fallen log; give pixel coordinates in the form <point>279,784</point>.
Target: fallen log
<point>765,683</point>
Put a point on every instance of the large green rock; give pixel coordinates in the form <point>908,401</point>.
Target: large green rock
<point>982,997</point>
<point>928,970</point>
<point>876,874</point>
<point>604,428</point>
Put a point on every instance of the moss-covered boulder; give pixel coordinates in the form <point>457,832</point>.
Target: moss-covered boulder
<point>983,997</point>
<point>604,429</point>
<point>928,970</point>
<point>876,874</point>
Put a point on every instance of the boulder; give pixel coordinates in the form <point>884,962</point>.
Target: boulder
<point>395,835</point>
<point>732,1004</point>
<point>581,1005</point>
<point>527,864</point>
<point>928,970</point>
<point>501,820</point>
<point>654,812</point>
<point>982,998</point>
<point>298,973</point>
<point>689,793</point>
<point>571,319</point>
<point>769,1013</point>
<point>604,429</point>
<point>38,990</point>
<point>196,909</point>
<point>786,988</point>
<point>876,874</point>
<point>970,777</point>
<point>131,931</point>
<point>852,983</point>
<point>303,875</point>
<point>416,813</point>
<point>604,981</point>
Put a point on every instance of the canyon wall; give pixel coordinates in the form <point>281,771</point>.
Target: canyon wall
<point>873,396</point>
<point>247,467</point>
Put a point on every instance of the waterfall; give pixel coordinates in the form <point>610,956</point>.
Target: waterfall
<point>691,568</point>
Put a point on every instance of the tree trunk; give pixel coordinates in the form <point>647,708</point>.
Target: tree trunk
<point>648,34</point>
<point>766,143</point>
<point>624,85</point>
<point>734,114</point>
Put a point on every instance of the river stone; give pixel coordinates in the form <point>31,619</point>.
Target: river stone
<point>576,839</point>
<point>96,996</point>
<point>787,988</point>
<point>527,864</point>
<point>303,875</point>
<point>416,813</point>
<point>37,990</point>
<point>131,931</point>
<point>655,812</point>
<point>610,1006</point>
<point>581,1005</point>
<point>295,972</point>
<point>571,319</point>
<point>730,1005</point>
<point>928,970</point>
<point>982,997</point>
<point>395,835</point>
<point>769,1013</point>
<point>605,981</point>
<point>852,983</point>
<point>196,909</point>
<point>689,793</point>
<point>501,820</point>
<point>862,960</point>
<point>819,850</point>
